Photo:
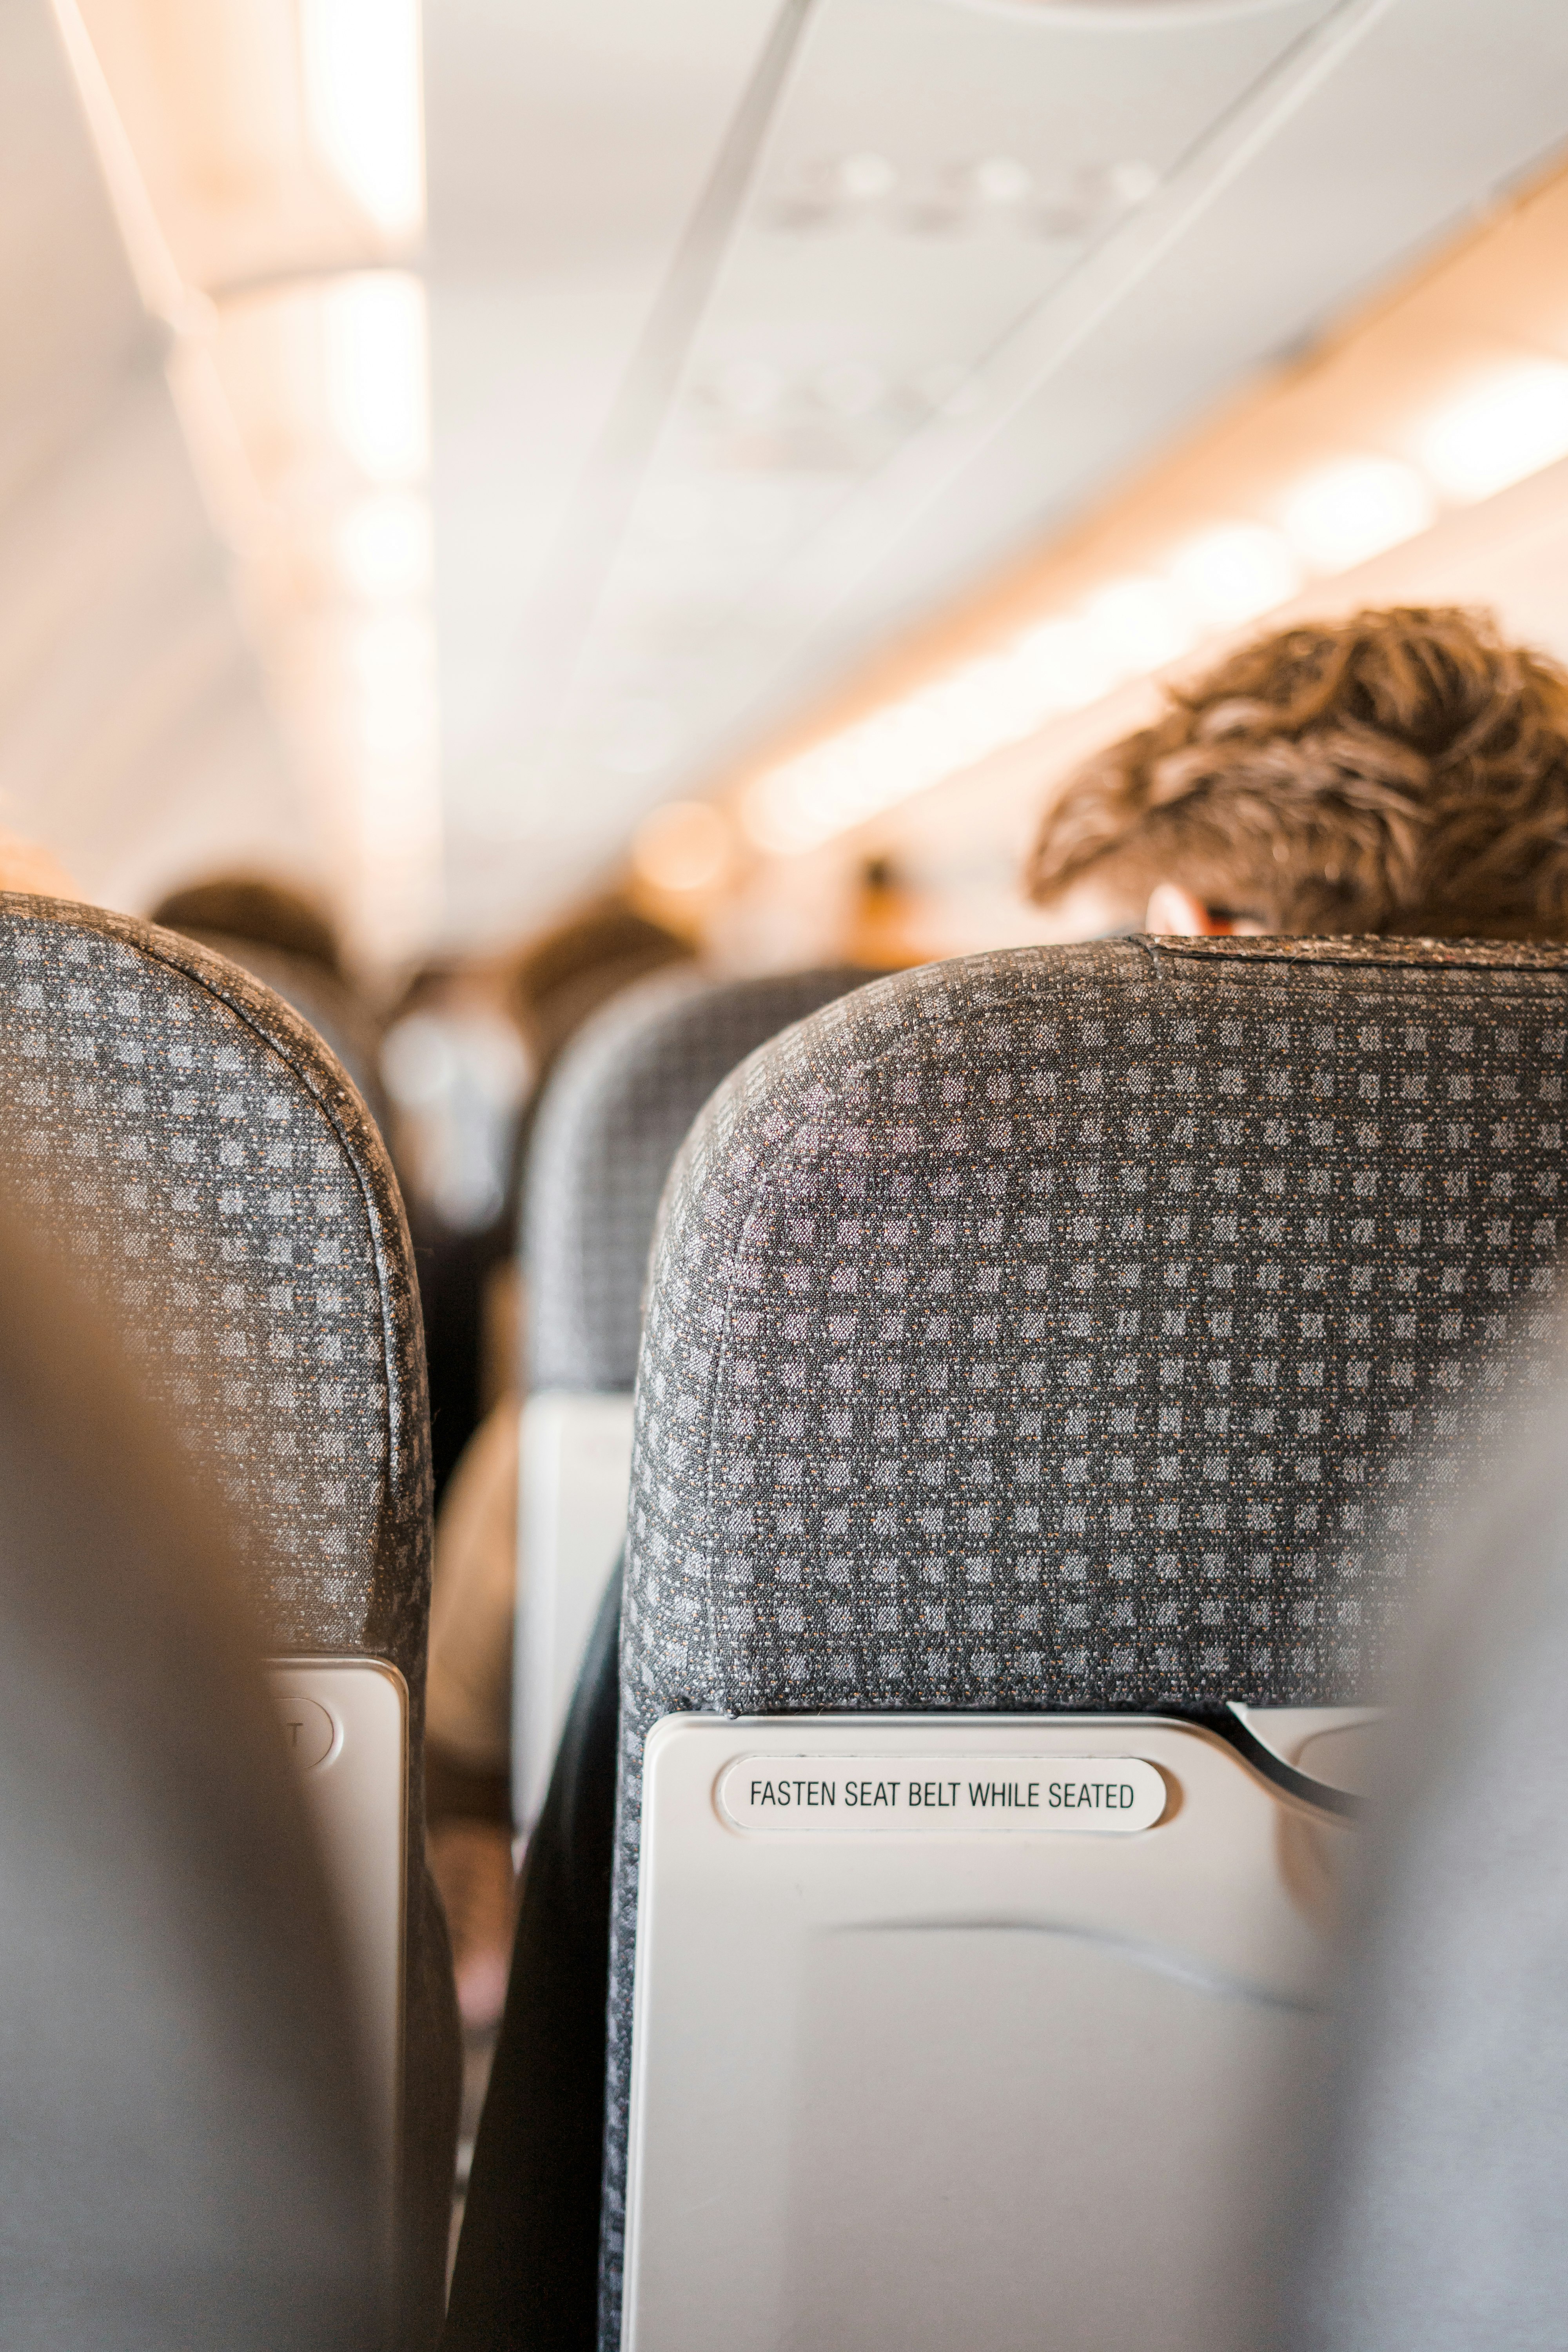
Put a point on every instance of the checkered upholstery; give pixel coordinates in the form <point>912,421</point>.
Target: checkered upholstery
<point>318,997</point>
<point>611,1123</point>
<point>197,1152</point>
<point>1068,1329</point>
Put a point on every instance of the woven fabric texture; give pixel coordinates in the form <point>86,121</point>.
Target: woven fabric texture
<point>318,997</point>
<point>1063,1328</point>
<point>199,1154</point>
<point>197,1150</point>
<point>609,1126</point>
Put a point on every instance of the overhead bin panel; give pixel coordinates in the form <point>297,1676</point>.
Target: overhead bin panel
<point>935,175</point>
<point>990,259</point>
<point>1438,110</point>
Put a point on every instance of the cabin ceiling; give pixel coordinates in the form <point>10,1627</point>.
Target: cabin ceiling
<point>135,738</point>
<point>757,331</point>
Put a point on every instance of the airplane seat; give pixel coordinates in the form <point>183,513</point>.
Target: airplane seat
<point>185,2151</point>
<point>1040,1364</point>
<point>196,1153</point>
<point>609,1126</point>
<point>1434,2207</point>
<point>318,996</point>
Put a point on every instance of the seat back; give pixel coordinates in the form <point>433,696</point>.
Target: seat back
<point>610,1124</point>
<point>184,2153</point>
<point>199,1154</point>
<point>320,997</point>
<point>1032,1344</point>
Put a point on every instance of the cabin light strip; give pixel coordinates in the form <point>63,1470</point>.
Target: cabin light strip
<point>351,660</point>
<point>1508,425</point>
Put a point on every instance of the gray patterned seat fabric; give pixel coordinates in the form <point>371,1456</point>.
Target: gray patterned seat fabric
<point>1056,1329</point>
<point>610,1124</point>
<point>196,1152</point>
<point>318,997</point>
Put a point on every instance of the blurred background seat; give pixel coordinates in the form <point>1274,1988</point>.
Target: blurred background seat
<point>197,1154</point>
<point>607,1133</point>
<point>185,2145</point>
<point>974,1384</point>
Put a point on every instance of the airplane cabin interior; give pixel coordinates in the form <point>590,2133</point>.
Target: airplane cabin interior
<point>783,1009</point>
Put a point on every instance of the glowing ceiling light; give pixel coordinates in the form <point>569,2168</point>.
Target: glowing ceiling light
<point>863,179</point>
<point>682,846</point>
<point>1499,432</point>
<point>959,719</point>
<point>1001,180</point>
<point>377,374</point>
<point>384,546</point>
<point>1350,512</point>
<point>1138,623</point>
<point>1236,572</point>
<point>392,678</point>
<point>362,102</point>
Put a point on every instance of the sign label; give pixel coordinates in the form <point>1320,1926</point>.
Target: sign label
<point>1051,1796</point>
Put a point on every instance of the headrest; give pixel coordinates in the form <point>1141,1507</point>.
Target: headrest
<point>200,1157</point>
<point>610,1124</point>
<point>1053,1328</point>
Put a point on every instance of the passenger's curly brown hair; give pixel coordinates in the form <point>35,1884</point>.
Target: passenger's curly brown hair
<point>1403,771</point>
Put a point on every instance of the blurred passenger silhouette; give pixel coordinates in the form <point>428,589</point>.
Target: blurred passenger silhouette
<point>185,2157</point>
<point>1398,771</point>
<point>882,935</point>
<point>1434,2218</point>
<point>472,1319</point>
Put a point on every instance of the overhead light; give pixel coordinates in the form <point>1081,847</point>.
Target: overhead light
<point>362,102</point>
<point>1061,665</point>
<point>682,846</point>
<point>377,374</point>
<point>1000,180</point>
<point>1350,512</point>
<point>863,179</point>
<point>1236,572</point>
<point>1131,183</point>
<point>1498,431</point>
<point>1138,623</point>
<point>392,667</point>
<point>952,724</point>
<point>384,546</point>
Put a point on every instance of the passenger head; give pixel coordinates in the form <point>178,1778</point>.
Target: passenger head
<point>249,907</point>
<point>1400,771</point>
<point>568,972</point>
